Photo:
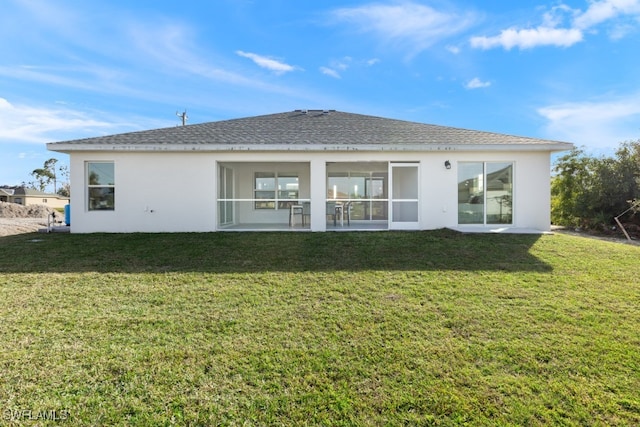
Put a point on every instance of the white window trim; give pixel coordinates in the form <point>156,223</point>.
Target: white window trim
<point>89,186</point>
<point>484,195</point>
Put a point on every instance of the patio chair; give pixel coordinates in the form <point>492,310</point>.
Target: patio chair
<point>337,210</point>
<point>293,211</point>
<point>331,211</point>
<point>306,213</point>
<point>346,211</point>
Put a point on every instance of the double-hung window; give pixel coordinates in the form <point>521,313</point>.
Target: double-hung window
<point>101,187</point>
<point>485,193</point>
<point>275,190</point>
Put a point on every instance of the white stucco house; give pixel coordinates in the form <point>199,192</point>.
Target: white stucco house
<point>313,170</point>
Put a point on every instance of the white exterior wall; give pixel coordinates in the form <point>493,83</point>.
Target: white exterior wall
<point>318,194</point>
<point>533,199</point>
<point>154,192</point>
<point>177,191</point>
<point>531,188</point>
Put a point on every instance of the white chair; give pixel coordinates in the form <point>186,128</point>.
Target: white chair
<point>296,210</point>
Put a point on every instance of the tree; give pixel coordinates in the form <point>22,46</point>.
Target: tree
<point>65,188</point>
<point>589,192</point>
<point>45,175</point>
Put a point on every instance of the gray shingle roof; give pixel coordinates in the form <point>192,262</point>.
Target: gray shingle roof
<point>302,128</point>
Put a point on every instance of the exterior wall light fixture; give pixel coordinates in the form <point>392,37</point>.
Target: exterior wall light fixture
<point>447,164</point>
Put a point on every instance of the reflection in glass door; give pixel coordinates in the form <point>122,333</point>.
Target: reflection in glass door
<point>404,196</point>
<point>364,186</point>
<point>376,193</point>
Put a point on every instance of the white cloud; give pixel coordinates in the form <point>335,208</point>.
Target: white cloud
<point>268,63</point>
<point>20,123</point>
<point>453,49</point>
<point>172,47</point>
<point>330,72</point>
<point>413,26</point>
<point>129,55</point>
<point>476,83</point>
<point>595,124</point>
<point>529,38</point>
<point>342,65</point>
<point>621,31</point>
<point>557,16</point>
<point>552,32</point>
<point>601,11</point>
<point>337,67</point>
<point>86,78</point>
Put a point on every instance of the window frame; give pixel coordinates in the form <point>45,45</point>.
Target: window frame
<point>279,199</point>
<point>100,186</point>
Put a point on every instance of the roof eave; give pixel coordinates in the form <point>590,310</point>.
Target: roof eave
<point>68,148</point>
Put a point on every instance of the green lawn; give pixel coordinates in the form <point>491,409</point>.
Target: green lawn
<point>378,328</point>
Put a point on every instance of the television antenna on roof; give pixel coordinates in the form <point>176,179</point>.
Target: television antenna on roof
<point>183,116</point>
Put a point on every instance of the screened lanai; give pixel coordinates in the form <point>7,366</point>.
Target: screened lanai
<point>263,196</point>
<point>277,196</point>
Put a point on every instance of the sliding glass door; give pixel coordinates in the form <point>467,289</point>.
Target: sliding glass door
<point>485,193</point>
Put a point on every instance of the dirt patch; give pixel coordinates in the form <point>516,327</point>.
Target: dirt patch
<point>18,219</point>
<point>13,210</point>
<point>592,235</point>
<point>11,226</point>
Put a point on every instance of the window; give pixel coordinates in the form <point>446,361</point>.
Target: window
<point>101,186</point>
<point>485,193</point>
<point>274,190</point>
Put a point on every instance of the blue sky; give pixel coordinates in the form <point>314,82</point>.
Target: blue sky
<point>563,70</point>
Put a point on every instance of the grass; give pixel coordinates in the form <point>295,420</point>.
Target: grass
<point>389,328</point>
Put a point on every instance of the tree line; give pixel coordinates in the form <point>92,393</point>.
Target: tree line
<point>589,192</point>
